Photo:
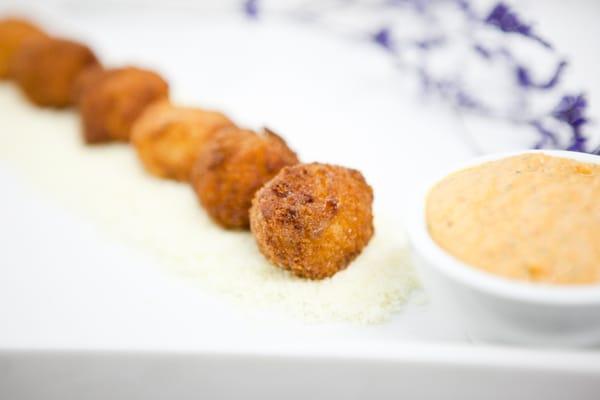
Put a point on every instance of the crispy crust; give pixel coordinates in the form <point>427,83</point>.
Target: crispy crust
<point>233,165</point>
<point>168,138</point>
<point>313,219</point>
<point>46,69</point>
<point>86,79</point>
<point>112,102</point>
<point>13,33</point>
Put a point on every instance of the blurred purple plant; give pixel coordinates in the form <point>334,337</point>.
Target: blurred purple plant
<point>570,111</point>
<point>383,38</point>
<point>251,8</point>
<point>508,21</point>
<point>525,80</point>
<point>567,118</point>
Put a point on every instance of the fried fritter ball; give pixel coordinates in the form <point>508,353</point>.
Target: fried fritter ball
<point>46,69</point>
<point>313,219</point>
<point>13,33</point>
<point>112,101</point>
<point>232,166</point>
<point>168,138</point>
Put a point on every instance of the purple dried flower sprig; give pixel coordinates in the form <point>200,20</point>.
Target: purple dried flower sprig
<point>526,81</point>
<point>547,136</point>
<point>522,73</point>
<point>251,8</point>
<point>570,112</point>
<point>567,117</point>
<point>383,38</point>
<point>505,19</point>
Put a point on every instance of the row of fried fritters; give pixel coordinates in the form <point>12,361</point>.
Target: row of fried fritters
<point>312,219</point>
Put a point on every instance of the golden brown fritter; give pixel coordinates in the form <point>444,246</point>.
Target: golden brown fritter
<point>86,78</point>
<point>313,219</point>
<point>13,33</point>
<point>112,102</point>
<point>168,138</point>
<point>232,166</point>
<point>46,69</point>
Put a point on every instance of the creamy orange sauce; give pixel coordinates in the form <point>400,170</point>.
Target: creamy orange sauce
<point>531,217</point>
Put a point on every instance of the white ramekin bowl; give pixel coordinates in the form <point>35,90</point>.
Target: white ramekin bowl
<point>493,308</point>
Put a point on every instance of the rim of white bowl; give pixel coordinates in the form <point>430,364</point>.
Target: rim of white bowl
<point>480,280</point>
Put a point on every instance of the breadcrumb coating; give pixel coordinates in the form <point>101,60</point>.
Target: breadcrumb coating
<point>112,102</point>
<point>47,68</point>
<point>13,33</point>
<point>86,79</point>
<point>168,138</point>
<point>232,167</point>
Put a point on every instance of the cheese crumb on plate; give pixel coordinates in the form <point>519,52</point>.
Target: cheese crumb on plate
<point>108,185</point>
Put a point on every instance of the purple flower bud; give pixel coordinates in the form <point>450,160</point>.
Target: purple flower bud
<point>383,38</point>
<point>508,21</point>
<point>571,110</point>
<point>251,8</point>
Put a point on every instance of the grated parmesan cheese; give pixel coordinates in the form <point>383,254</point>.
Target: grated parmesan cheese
<point>108,185</point>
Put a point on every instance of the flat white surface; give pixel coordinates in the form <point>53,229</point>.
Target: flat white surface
<point>66,286</point>
<point>308,94</point>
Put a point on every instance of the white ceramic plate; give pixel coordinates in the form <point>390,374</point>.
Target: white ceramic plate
<point>115,326</point>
